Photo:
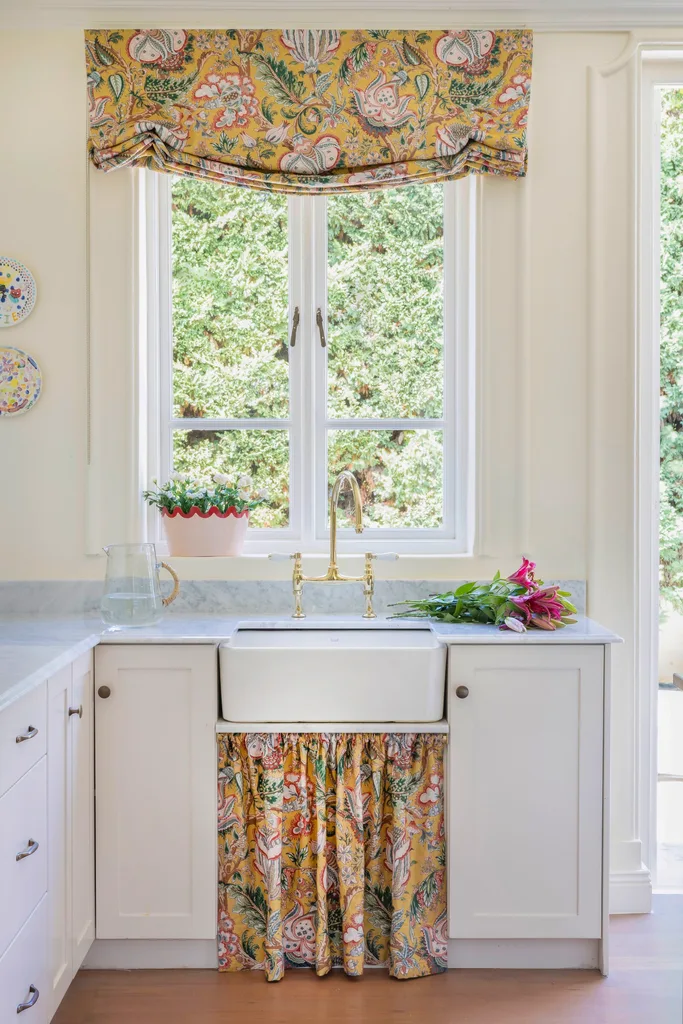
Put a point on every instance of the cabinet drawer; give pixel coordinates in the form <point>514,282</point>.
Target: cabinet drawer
<point>23,973</point>
<point>26,717</point>
<point>23,830</point>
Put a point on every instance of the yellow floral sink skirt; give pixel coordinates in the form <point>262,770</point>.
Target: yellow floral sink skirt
<point>331,852</point>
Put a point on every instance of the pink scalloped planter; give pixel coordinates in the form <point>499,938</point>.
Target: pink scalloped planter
<point>197,534</point>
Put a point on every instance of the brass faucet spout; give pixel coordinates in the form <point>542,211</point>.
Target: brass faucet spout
<point>344,477</point>
<point>333,575</point>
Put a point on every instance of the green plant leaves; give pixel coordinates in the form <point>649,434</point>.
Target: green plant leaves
<point>251,905</point>
<point>167,90</point>
<point>116,83</point>
<point>474,93</point>
<point>411,55</point>
<point>358,58</point>
<point>282,84</point>
<point>104,55</point>
<point>378,906</point>
<point>422,82</point>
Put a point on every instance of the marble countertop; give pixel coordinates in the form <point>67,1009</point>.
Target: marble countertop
<point>34,648</point>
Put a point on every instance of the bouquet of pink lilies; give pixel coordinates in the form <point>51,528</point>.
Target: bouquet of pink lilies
<point>518,602</point>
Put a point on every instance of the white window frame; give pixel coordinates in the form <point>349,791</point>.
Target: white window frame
<point>307,422</point>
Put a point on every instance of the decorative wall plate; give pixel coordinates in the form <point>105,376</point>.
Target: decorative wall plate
<point>20,381</point>
<point>17,292</point>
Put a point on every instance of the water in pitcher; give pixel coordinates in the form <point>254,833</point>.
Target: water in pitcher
<point>132,596</point>
<point>130,609</point>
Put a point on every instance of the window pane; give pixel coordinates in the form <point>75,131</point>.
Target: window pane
<point>262,454</point>
<point>400,474</point>
<point>385,303</point>
<point>230,301</point>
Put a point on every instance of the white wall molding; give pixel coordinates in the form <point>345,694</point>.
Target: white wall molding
<point>610,385</point>
<point>630,892</point>
<point>621,383</point>
<point>541,15</point>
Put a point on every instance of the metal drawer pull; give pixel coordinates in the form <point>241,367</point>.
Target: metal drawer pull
<point>31,848</point>
<point>462,692</point>
<point>28,735</point>
<point>321,327</point>
<point>31,1001</point>
<point>295,327</point>
<point>76,711</point>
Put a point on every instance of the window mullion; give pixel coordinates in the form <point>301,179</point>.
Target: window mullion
<point>319,265</point>
<point>297,493</point>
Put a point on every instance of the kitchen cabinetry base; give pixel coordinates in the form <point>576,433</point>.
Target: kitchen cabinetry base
<point>525,954</point>
<point>150,954</point>
<point>520,954</point>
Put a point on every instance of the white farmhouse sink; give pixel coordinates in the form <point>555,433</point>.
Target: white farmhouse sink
<point>332,675</point>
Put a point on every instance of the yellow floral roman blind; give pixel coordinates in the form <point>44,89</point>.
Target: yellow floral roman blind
<point>310,110</point>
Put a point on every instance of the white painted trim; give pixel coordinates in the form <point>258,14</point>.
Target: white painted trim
<point>524,954</point>
<point>659,69</point>
<point>541,15</point>
<point>631,892</point>
<point>606,810</point>
<point>308,422</point>
<point>150,954</point>
<point>622,561</point>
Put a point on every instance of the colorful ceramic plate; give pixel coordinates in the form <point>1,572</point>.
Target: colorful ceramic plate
<point>17,292</point>
<point>20,381</point>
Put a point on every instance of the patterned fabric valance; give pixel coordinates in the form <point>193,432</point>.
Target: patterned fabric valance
<point>310,110</point>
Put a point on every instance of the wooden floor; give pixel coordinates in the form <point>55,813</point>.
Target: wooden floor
<point>645,987</point>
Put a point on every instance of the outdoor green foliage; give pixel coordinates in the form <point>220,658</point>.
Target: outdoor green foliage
<point>385,358</point>
<point>385,329</point>
<point>671,353</point>
<point>230,293</point>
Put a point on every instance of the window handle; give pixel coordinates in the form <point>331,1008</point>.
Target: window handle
<point>321,327</point>
<point>295,327</point>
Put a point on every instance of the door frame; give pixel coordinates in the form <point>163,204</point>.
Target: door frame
<point>659,66</point>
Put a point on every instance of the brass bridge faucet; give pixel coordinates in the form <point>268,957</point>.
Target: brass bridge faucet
<point>333,575</point>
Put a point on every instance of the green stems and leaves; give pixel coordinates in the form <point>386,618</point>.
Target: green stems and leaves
<point>221,491</point>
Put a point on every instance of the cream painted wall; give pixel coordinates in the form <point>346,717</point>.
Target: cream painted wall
<point>557,438</point>
<point>532,418</point>
<point>43,224</point>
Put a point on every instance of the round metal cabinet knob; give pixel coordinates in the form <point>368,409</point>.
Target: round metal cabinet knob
<point>104,691</point>
<point>462,692</point>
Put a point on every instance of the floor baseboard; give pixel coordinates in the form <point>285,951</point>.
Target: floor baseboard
<point>630,892</point>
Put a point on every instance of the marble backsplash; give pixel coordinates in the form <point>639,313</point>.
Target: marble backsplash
<point>230,597</point>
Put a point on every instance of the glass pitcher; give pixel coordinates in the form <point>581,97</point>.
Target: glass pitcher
<point>132,595</point>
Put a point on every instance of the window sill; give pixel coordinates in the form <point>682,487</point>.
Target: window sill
<point>409,566</point>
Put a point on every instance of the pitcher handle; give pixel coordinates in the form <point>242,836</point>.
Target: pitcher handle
<point>176,584</point>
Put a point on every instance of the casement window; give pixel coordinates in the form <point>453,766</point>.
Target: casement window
<point>291,337</point>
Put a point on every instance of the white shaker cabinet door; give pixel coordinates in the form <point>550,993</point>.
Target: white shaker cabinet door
<point>155,743</point>
<point>59,765</point>
<point>525,791</point>
<point>82,809</point>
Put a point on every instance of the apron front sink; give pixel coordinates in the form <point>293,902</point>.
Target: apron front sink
<point>332,675</point>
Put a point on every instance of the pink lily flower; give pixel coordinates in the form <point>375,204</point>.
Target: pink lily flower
<point>525,575</point>
<point>540,607</point>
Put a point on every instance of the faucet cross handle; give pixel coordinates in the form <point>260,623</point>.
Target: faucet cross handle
<point>369,580</point>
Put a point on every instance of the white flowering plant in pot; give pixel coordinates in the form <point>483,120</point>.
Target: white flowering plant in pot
<point>206,517</point>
